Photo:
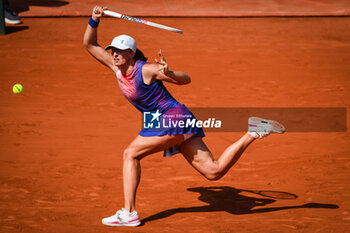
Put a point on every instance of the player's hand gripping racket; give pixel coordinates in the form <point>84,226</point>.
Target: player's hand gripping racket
<point>117,15</point>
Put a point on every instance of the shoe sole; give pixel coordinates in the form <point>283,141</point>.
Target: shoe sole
<point>134,224</point>
<point>10,21</point>
<point>274,125</point>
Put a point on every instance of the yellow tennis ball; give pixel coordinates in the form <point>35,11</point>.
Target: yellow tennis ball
<point>17,88</point>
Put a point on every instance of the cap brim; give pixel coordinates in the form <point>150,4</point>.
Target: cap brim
<point>122,48</point>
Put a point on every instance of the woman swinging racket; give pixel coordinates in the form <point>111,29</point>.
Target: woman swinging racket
<point>142,84</point>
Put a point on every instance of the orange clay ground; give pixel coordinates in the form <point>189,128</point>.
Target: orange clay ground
<point>62,139</point>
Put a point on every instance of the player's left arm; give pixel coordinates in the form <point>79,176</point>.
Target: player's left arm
<point>160,71</point>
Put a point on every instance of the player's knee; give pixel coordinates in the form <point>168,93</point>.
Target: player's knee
<point>213,177</point>
<point>129,153</point>
<point>213,174</point>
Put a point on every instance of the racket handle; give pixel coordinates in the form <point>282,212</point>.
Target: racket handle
<point>113,14</point>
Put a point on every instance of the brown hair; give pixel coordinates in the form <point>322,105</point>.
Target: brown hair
<point>140,56</point>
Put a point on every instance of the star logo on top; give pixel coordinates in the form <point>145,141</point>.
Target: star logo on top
<point>151,120</point>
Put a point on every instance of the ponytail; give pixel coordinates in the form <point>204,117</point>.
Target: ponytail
<point>139,56</point>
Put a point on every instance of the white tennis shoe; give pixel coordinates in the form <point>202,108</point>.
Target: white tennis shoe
<point>123,218</point>
<point>258,127</point>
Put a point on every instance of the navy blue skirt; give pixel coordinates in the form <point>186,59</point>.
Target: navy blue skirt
<point>178,120</point>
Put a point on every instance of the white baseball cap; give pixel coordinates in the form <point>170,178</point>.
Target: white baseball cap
<point>123,42</point>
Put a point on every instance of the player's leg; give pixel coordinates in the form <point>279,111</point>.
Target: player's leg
<point>198,155</point>
<point>138,149</point>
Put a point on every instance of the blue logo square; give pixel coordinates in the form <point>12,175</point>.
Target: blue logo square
<point>151,120</point>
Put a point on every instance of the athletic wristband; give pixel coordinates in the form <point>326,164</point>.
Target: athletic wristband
<point>93,23</point>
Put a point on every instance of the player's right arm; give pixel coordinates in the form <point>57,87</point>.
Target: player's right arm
<point>90,41</point>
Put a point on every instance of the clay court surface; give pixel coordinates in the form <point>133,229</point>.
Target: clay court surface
<point>62,139</point>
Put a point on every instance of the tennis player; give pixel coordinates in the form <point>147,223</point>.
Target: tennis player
<point>142,84</point>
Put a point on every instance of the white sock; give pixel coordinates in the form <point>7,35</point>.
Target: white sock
<point>254,134</point>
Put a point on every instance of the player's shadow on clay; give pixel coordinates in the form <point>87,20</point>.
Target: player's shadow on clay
<point>237,201</point>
